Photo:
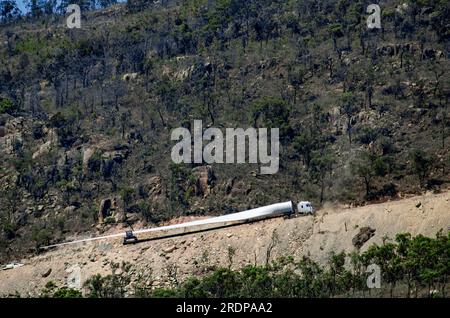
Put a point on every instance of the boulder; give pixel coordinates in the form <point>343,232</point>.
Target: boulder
<point>365,233</point>
<point>205,178</point>
<point>170,249</point>
<point>111,209</point>
<point>51,142</point>
<point>43,150</point>
<point>152,187</point>
<point>46,273</point>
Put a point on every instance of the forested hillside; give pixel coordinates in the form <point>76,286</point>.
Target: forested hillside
<point>86,114</point>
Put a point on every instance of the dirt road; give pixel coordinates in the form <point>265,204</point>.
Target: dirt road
<point>331,229</point>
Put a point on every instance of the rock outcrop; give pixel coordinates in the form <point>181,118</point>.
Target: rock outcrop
<point>111,210</point>
<point>365,233</point>
<point>205,179</point>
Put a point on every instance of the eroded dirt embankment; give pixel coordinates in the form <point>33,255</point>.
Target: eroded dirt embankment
<point>331,229</point>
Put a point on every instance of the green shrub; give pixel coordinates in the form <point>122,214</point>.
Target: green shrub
<point>418,261</point>
<point>6,106</point>
<point>110,286</point>
<point>41,236</point>
<point>421,163</point>
<point>66,292</point>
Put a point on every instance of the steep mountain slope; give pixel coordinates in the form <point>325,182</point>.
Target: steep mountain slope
<point>86,114</point>
<point>157,263</point>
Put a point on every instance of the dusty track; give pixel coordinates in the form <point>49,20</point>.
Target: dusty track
<point>332,229</point>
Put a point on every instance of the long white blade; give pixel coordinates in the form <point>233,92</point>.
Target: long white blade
<point>258,213</point>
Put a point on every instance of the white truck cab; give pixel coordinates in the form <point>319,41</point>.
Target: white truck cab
<point>305,207</point>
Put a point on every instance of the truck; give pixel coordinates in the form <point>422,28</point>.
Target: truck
<point>130,238</point>
<point>305,207</point>
<point>285,209</point>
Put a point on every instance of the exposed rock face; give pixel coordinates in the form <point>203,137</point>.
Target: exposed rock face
<point>184,73</point>
<point>110,159</point>
<point>12,131</point>
<point>52,141</point>
<point>156,195</point>
<point>10,140</point>
<point>152,187</point>
<point>109,155</point>
<point>87,154</point>
<point>15,125</point>
<point>43,149</point>
<point>117,155</point>
<point>205,178</point>
<point>129,76</point>
<point>365,233</point>
<point>111,209</point>
<point>235,188</point>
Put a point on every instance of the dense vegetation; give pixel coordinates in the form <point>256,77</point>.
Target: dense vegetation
<point>86,114</point>
<point>410,267</point>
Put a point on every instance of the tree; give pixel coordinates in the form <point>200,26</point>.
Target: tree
<point>336,263</point>
<point>321,165</point>
<point>9,10</point>
<point>167,95</point>
<point>35,7</point>
<point>445,123</point>
<point>442,263</point>
<point>85,5</point>
<point>296,78</point>
<point>66,292</point>
<point>49,7</point>
<point>421,164</point>
<point>369,86</point>
<point>10,199</point>
<point>422,259</point>
<point>407,267</point>
<point>127,197</point>
<point>370,166</point>
<point>349,107</point>
<point>336,32</point>
<point>136,5</point>
<point>386,257</point>
<point>110,286</point>
<point>106,3</point>
<point>62,7</point>
<point>274,113</point>
<point>358,282</point>
<point>439,20</point>
<point>304,143</point>
<point>124,122</point>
